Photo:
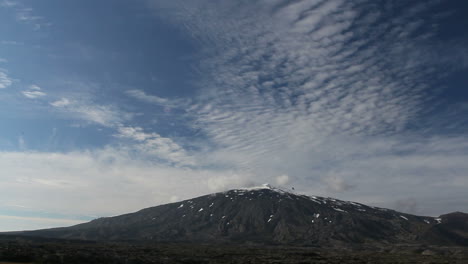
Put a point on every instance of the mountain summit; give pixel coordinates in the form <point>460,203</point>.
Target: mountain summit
<point>269,215</point>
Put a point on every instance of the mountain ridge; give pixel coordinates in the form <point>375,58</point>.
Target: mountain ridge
<point>269,215</point>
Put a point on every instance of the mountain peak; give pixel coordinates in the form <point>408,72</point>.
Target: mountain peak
<point>265,186</point>
<point>260,214</point>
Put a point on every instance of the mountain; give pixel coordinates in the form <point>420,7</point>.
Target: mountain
<point>269,215</point>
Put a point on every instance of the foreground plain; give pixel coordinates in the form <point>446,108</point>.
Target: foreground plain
<point>37,250</point>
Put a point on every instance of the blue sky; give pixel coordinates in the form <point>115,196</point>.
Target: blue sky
<point>107,107</point>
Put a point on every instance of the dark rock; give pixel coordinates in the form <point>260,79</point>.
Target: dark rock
<point>267,215</point>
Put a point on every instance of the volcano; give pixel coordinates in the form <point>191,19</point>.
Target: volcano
<point>269,215</point>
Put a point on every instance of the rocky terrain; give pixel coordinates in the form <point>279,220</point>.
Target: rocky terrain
<point>270,216</point>
<point>15,250</point>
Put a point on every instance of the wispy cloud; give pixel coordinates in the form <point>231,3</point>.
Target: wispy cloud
<point>153,99</point>
<point>141,95</point>
<point>154,145</point>
<point>313,86</point>
<point>148,145</point>
<point>105,115</point>
<point>8,3</point>
<point>5,80</point>
<point>25,14</point>
<point>88,181</point>
<point>34,92</point>
<point>60,103</point>
<point>306,71</point>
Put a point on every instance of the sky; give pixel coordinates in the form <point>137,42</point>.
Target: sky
<point>110,106</point>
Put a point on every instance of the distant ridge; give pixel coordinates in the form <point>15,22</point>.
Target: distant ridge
<point>270,215</point>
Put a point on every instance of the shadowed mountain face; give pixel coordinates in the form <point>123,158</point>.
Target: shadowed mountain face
<point>269,215</point>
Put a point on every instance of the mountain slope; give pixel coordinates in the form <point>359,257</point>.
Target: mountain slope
<point>266,215</point>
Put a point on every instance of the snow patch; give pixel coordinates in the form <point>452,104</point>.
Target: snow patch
<point>201,209</point>
<point>439,220</point>
<point>180,206</point>
<point>404,217</point>
<point>339,210</point>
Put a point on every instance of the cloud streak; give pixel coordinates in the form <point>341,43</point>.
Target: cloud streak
<point>5,80</point>
<point>24,14</point>
<point>34,92</point>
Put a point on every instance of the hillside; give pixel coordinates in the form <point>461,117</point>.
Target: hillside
<point>269,215</point>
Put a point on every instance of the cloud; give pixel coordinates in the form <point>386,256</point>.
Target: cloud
<point>60,103</point>
<point>5,81</point>
<point>148,145</point>
<point>407,205</point>
<point>319,89</point>
<point>8,3</point>
<point>154,145</point>
<point>25,14</point>
<point>10,42</point>
<point>3,60</point>
<point>21,143</point>
<point>105,115</point>
<point>141,95</point>
<point>337,184</point>
<point>229,181</point>
<point>87,182</point>
<point>153,99</point>
<point>34,92</point>
<point>282,180</point>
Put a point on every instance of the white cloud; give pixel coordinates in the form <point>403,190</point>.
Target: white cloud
<point>314,88</point>
<point>21,143</point>
<point>282,180</point>
<point>34,87</point>
<point>141,95</point>
<point>135,133</point>
<point>153,99</point>
<point>34,92</point>
<point>154,145</point>
<point>3,60</point>
<point>60,103</point>
<point>337,184</point>
<point>5,81</point>
<point>105,115</point>
<point>88,182</point>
